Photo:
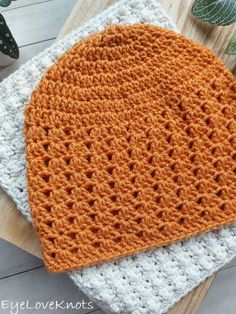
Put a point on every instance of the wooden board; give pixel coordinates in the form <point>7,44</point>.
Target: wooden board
<point>16,230</point>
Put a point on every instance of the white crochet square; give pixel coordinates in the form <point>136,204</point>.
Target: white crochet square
<point>146,283</point>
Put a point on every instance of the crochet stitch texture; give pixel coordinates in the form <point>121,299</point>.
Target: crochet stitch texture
<point>149,282</point>
<point>127,149</point>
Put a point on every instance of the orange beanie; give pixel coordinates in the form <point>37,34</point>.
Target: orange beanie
<point>130,145</point>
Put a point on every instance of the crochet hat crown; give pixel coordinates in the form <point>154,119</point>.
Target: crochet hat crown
<point>130,145</point>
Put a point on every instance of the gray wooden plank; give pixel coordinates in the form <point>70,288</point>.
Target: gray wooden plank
<point>26,53</point>
<point>40,286</point>
<point>28,26</point>
<point>14,260</point>
<point>220,298</point>
<point>230,264</point>
<point>20,3</point>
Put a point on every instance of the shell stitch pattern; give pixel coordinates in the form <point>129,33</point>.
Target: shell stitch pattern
<point>129,146</point>
<point>193,260</point>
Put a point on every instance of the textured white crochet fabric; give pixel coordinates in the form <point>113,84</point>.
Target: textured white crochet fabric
<point>149,282</point>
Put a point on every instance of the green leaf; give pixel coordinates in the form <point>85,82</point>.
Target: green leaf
<point>231,47</point>
<point>217,12</point>
<point>8,45</point>
<point>5,3</point>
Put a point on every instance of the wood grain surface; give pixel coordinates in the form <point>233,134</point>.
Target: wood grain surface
<point>15,229</point>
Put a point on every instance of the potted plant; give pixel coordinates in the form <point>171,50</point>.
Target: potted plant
<point>9,50</point>
<point>217,12</point>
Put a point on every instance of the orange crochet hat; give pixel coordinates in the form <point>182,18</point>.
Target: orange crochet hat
<point>130,145</point>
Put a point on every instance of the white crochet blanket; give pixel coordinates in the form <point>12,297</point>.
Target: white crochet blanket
<point>149,282</point>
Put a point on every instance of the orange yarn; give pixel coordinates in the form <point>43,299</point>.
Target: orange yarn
<point>130,145</point>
